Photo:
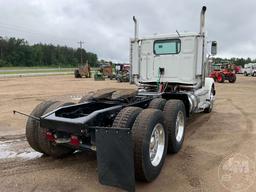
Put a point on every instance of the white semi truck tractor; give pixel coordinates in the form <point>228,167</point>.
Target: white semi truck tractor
<point>133,130</point>
<point>175,66</point>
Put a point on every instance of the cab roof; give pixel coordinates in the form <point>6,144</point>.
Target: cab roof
<point>171,35</point>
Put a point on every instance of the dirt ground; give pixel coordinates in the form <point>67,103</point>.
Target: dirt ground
<point>218,153</point>
<point>24,93</point>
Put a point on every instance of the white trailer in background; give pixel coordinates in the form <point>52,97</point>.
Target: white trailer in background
<point>250,69</point>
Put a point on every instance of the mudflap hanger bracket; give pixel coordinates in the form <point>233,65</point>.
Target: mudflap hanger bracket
<point>115,157</point>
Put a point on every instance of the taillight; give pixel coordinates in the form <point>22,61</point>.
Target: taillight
<point>49,136</point>
<point>74,140</point>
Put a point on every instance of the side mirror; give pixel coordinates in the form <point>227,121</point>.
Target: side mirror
<point>214,48</point>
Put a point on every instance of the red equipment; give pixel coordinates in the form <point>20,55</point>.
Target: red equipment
<point>222,73</point>
<point>238,69</point>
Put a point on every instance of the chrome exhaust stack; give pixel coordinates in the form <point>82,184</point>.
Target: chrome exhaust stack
<point>134,73</point>
<point>135,28</point>
<point>202,33</point>
<point>202,20</point>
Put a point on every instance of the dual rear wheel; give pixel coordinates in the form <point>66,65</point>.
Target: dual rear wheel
<point>155,131</point>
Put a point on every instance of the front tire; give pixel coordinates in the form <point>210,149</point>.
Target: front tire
<point>175,122</point>
<point>150,144</point>
<point>220,78</point>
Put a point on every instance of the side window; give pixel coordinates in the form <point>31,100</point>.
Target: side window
<point>169,46</point>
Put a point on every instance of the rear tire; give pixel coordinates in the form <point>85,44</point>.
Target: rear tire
<point>126,117</point>
<point>175,122</point>
<point>49,148</point>
<point>33,126</point>
<point>232,79</point>
<point>77,74</point>
<point>147,165</point>
<point>157,103</point>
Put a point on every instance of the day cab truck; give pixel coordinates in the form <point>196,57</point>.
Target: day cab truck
<point>132,130</point>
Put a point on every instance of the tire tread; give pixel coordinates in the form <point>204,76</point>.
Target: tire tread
<point>32,125</point>
<point>170,111</point>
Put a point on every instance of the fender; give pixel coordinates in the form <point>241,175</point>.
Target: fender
<point>209,83</point>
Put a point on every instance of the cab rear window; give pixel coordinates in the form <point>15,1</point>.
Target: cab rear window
<point>169,46</point>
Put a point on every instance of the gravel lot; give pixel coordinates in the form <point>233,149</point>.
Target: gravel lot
<point>218,154</point>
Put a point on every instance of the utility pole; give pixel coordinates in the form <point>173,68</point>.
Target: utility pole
<point>81,53</point>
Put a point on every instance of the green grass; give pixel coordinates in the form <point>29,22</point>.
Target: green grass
<point>43,67</point>
<point>38,71</point>
<point>26,70</point>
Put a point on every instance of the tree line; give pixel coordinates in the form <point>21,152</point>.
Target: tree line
<point>18,52</point>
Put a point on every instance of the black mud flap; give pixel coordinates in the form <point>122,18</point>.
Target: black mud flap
<point>115,158</point>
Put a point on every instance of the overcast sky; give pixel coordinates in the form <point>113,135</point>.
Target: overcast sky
<point>106,25</point>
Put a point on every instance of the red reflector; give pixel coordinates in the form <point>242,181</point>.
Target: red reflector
<point>74,140</point>
<point>49,136</point>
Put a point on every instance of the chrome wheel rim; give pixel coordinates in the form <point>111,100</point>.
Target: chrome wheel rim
<point>157,144</point>
<point>180,124</point>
